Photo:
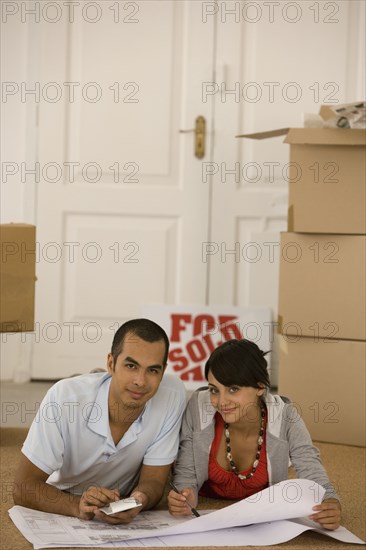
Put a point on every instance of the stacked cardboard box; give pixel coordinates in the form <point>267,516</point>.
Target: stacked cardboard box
<point>17,277</point>
<point>322,301</point>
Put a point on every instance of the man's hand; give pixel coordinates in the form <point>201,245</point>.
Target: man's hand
<point>328,514</point>
<point>95,498</point>
<point>177,502</point>
<point>128,515</point>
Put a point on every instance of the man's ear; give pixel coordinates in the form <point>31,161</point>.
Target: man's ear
<point>110,363</point>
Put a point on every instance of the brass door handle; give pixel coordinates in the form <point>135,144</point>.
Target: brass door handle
<point>200,136</point>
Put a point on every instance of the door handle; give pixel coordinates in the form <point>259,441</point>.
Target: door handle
<point>199,136</point>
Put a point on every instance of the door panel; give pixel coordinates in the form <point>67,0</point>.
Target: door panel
<point>122,221</point>
<point>271,68</point>
<point>126,215</point>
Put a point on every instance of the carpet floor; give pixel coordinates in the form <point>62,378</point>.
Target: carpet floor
<point>345,466</point>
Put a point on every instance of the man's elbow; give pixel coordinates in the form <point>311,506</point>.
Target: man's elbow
<point>18,494</point>
<point>25,492</point>
<point>158,494</point>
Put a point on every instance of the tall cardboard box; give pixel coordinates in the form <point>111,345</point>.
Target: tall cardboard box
<point>323,286</point>
<point>327,191</point>
<point>326,380</point>
<point>17,277</point>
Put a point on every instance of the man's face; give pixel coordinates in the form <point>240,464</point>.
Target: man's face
<point>136,374</point>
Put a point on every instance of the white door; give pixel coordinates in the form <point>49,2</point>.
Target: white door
<point>275,61</point>
<point>167,227</point>
<point>121,209</point>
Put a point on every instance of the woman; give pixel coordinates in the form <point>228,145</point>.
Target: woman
<point>237,438</point>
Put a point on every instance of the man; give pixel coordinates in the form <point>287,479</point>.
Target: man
<point>104,436</point>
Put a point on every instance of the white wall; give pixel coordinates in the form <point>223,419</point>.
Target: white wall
<point>17,146</point>
<point>19,139</point>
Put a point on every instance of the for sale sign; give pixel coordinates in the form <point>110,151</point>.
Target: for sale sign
<point>195,331</point>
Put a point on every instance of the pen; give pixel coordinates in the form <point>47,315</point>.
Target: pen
<point>194,511</point>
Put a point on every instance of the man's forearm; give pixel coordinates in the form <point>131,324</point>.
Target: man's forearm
<point>39,495</point>
<point>153,492</point>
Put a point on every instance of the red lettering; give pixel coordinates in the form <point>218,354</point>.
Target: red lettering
<point>229,331</point>
<point>208,341</point>
<point>177,326</point>
<point>193,374</point>
<point>177,356</point>
<point>203,323</point>
<point>196,351</point>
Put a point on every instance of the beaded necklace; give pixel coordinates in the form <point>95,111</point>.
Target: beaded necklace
<point>257,454</point>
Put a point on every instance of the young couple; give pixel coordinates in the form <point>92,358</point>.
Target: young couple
<point>105,436</point>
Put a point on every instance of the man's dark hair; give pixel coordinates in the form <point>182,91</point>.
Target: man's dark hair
<point>238,363</point>
<point>142,328</point>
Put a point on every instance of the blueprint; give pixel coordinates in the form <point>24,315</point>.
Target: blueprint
<point>269,517</point>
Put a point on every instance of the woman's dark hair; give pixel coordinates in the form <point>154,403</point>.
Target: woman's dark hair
<point>142,328</point>
<point>238,363</point>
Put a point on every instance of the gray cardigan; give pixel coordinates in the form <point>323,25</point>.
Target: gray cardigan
<point>287,442</point>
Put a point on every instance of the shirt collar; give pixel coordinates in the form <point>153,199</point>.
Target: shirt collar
<point>97,412</point>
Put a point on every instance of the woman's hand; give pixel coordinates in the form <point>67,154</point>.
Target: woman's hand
<point>328,514</point>
<point>177,502</point>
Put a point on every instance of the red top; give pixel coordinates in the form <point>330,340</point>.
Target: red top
<point>224,484</point>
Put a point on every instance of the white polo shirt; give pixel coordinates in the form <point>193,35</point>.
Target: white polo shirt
<point>70,438</point>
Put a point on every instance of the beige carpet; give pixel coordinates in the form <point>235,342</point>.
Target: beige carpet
<point>345,466</point>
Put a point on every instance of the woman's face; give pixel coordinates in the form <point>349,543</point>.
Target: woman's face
<point>235,403</point>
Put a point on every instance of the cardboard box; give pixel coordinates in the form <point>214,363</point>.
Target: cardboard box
<point>322,286</point>
<point>327,191</point>
<point>17,277</point>
<point>326,381</point>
